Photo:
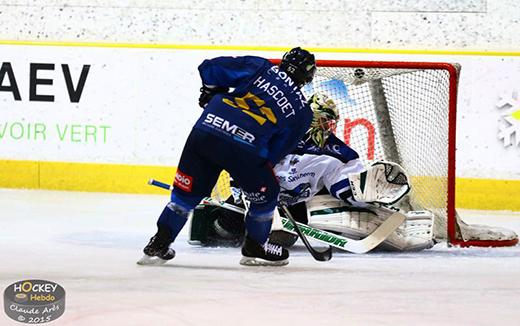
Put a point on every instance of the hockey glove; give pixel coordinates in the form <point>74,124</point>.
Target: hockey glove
<point>207,93</point>
<point>383,183</point>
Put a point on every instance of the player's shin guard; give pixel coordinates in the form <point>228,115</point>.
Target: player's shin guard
<point>258,228</point>
<point>174,217</point>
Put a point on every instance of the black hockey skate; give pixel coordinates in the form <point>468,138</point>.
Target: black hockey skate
<point>268,254</point>
<point>158,251</point>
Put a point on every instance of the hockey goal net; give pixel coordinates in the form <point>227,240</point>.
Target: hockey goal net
<point>405,112</point>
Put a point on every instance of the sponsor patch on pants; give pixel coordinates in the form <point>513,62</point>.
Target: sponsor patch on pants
<point>183,181</point>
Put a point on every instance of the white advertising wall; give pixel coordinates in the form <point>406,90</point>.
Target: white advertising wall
<point>137,105</point>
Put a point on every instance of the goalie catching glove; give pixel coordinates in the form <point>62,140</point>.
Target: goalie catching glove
<point>383,183</point>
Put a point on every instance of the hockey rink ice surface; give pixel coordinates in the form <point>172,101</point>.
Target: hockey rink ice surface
<point>89,243</point>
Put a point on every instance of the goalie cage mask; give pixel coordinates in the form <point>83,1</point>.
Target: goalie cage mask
<point>325,117</point>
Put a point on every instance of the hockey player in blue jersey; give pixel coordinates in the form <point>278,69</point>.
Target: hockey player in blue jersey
<point>254,114</point>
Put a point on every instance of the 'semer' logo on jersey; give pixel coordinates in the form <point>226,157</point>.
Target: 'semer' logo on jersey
<point>222,124</point>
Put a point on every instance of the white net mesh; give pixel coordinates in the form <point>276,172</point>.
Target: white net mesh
<point>402,115</point>
<point>414,132</point>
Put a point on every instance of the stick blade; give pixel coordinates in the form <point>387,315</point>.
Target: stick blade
<point>323,255</point>
<point>379,235</point>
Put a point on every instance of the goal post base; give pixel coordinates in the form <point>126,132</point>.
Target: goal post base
<point>483,243</point>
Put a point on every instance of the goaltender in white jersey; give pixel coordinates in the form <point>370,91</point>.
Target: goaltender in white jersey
<point>340,193</point>
<point>311,168</point>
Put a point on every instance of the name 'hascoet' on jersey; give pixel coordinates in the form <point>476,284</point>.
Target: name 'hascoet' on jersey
<point>276,93</point>
<point>222,124</point>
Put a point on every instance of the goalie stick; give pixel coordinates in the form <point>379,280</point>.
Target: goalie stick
<point>328,238</point>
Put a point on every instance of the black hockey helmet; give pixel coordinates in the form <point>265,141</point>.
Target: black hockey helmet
<point>300,65</point>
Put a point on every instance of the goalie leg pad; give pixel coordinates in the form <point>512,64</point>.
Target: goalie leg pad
<point>357,223</point>
<point>216,226</point>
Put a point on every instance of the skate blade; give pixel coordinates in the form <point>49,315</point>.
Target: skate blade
<point>254,261</point>
<point>149,260</point>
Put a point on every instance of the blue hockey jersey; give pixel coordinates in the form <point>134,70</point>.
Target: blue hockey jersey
<point>265,113</point>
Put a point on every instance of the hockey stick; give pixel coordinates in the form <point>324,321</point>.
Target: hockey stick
<point>160,184</point>
<point>334,240</point>
<point>318,255</point>
<point>331,239</point>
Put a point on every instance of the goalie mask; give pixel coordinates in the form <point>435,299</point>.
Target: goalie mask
<point>324,119</point>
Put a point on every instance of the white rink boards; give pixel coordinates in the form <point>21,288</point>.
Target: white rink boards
<point>89,242</point>
<point>137,105</point>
